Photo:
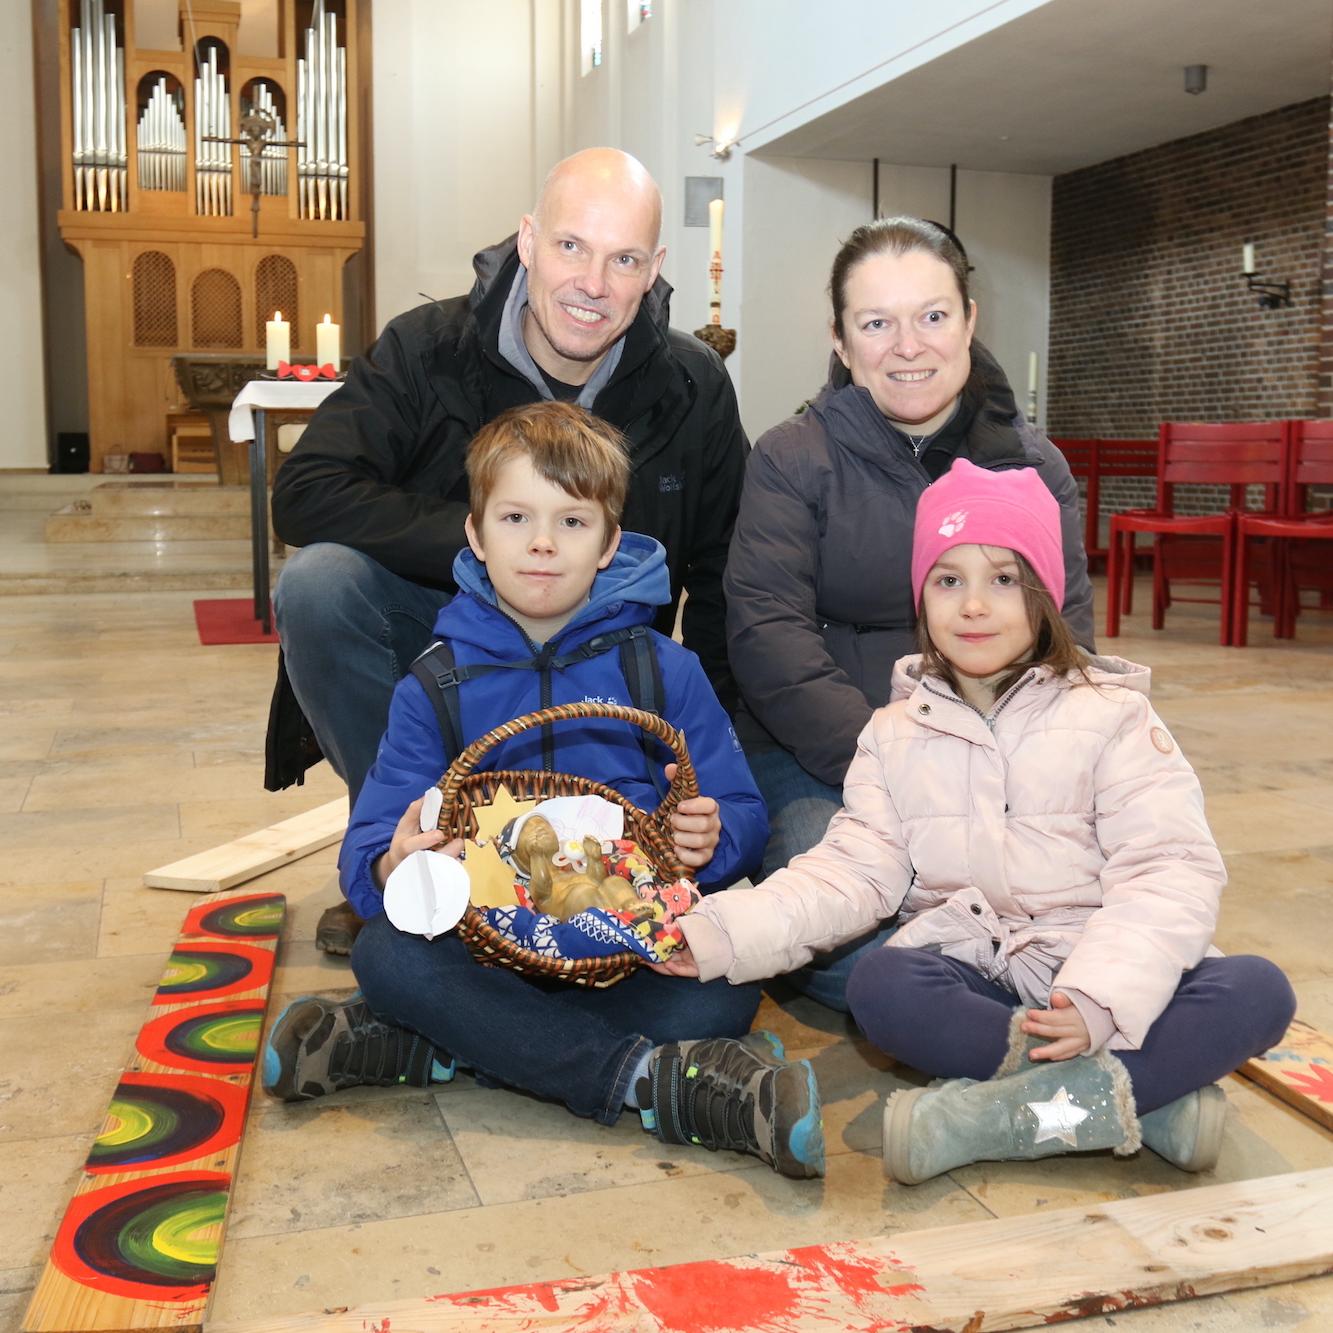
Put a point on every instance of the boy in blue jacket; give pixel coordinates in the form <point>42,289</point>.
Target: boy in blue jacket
<point>549,572</point>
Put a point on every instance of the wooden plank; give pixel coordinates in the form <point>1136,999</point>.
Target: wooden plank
<point>1010,1273</point>
<point>254,854</point>
<point>1299,1069</point>
<point>139,1243</point>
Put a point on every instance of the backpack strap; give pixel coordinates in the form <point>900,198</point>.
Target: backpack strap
<point>439,677</point>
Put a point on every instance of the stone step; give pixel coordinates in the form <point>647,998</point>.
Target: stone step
<point>80,522</point>
<point>168,499</point>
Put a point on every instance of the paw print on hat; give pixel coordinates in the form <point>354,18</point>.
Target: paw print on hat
<point>953,523</point>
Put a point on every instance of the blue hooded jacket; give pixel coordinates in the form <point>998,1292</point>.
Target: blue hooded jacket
<point>412,756</point>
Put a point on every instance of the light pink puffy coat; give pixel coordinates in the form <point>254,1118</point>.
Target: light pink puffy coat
<point>1059,843</point>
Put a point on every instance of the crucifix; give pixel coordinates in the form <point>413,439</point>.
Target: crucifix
<point>256,126</point>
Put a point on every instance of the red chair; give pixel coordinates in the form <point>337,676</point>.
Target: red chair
<point>1309,463</point>
<point>1123,458</point>
<point>1081,455</point>
<point>1092,460</point>
<point>1237,456</point>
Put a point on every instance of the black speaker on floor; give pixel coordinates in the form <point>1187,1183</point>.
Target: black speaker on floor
<point>71,451</point>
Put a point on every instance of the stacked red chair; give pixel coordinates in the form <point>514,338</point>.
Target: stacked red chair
<point>1309,463</point>
<point>1234,455</point>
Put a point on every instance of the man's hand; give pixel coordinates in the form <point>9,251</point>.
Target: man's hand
<point>1063,1023</point>
<point>408,838</point>
<point>695,827</point>
<point>680,964</point>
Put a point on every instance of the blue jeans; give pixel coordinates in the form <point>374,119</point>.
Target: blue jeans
<point>561,1042</point>
<point>945,1019</point>
<point>349,631</point>
<point>799,810</point>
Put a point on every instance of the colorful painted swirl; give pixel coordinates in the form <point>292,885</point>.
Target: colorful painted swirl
<point>207,1038</point>
<point>154,1239</point>
<point>207,971</point>
<point>255,916</point>
<point>164,1120</point>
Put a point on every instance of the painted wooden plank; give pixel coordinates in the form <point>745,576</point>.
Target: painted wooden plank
<point>1299,1069</point>
<point>139,1243</point>
<point>243,858</point>
<point>1010,1273</point>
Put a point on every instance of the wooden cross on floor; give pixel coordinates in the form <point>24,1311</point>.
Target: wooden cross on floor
<point>256,128</point>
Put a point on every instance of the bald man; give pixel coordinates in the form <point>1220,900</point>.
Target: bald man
<point>571,308</point>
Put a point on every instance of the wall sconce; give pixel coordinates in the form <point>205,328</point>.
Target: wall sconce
<point>1272,295</point>
<point>720,150</point>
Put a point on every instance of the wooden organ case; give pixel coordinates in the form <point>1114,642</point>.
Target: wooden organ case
<point>175,260</point>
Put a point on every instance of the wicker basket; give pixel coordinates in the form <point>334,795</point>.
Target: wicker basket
<point>462,790</point>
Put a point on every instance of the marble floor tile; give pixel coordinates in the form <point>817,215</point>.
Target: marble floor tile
<point>1262,822</point>
<point>136,920</point>
<point>20,740</point>
<point>37,1179</point>
<point>59,1072</point>
<point>317,1165</point>
<point>30,990</point>
<point>53,827</point>
<point>44,921</point>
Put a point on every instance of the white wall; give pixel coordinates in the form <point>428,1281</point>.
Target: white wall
<point>781,63</point>
<point>22,387</point>
<point>1005,223</point>
<point>465,94</point>
<point>796,213</point>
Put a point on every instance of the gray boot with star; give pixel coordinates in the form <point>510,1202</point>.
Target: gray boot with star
<point>1038,1110</point>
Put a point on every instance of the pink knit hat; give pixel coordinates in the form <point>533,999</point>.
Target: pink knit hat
<point>971,504</point>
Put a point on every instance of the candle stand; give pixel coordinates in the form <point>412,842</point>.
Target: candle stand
<point>722,341</point>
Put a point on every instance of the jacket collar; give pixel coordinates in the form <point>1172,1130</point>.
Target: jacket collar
<point>645,396</point>
<point>983,429</point>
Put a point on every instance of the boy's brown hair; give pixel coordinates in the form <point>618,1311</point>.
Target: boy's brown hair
<point>566,445</point>
<point>1053,644</point>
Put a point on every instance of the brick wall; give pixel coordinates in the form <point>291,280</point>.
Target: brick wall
<point>1150,320</point>
<point>1325,390</point>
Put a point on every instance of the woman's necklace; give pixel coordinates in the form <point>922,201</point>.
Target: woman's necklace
<point>918,442</point>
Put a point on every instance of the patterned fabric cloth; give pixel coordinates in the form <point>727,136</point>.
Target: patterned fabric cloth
<point>597,932</point>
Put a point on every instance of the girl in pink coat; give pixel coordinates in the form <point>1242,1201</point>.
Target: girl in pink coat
<point>1026,814</point>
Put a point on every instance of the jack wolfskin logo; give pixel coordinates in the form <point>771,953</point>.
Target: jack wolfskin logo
<point>953,523</point>
<point>669,482</point>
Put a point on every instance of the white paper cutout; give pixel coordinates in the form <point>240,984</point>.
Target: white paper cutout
<point>426,894</point>
<point>430,809</point>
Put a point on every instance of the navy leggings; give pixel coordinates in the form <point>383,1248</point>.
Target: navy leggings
<point>947,1020</point>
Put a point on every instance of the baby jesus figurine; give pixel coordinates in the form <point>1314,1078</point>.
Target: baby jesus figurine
<point>566,880</point>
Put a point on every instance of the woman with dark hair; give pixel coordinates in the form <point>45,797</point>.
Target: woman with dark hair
<point>818,587</point>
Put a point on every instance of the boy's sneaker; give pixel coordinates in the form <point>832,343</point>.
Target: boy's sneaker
<point>320,1045</point>
<point>739,1095</point>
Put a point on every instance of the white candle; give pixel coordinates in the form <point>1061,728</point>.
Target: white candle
<point>1032,372</point>
<point>1247,258</point>
<point>715,211</point>
<point>277,341</point>
<point>329,344</point>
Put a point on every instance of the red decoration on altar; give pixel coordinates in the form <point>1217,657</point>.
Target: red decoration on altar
<point>287,371</point>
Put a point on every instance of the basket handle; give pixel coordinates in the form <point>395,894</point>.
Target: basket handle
<point>684,787</point>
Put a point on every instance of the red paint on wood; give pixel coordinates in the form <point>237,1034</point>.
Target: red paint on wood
<point>717,1296</point>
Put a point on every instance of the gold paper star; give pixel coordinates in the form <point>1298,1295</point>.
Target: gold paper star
<point>492,818</point>
<point>491,881</point>
<point>1058,1119</point>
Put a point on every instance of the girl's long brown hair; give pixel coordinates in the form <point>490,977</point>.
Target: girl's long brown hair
<point>1052,643</point>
